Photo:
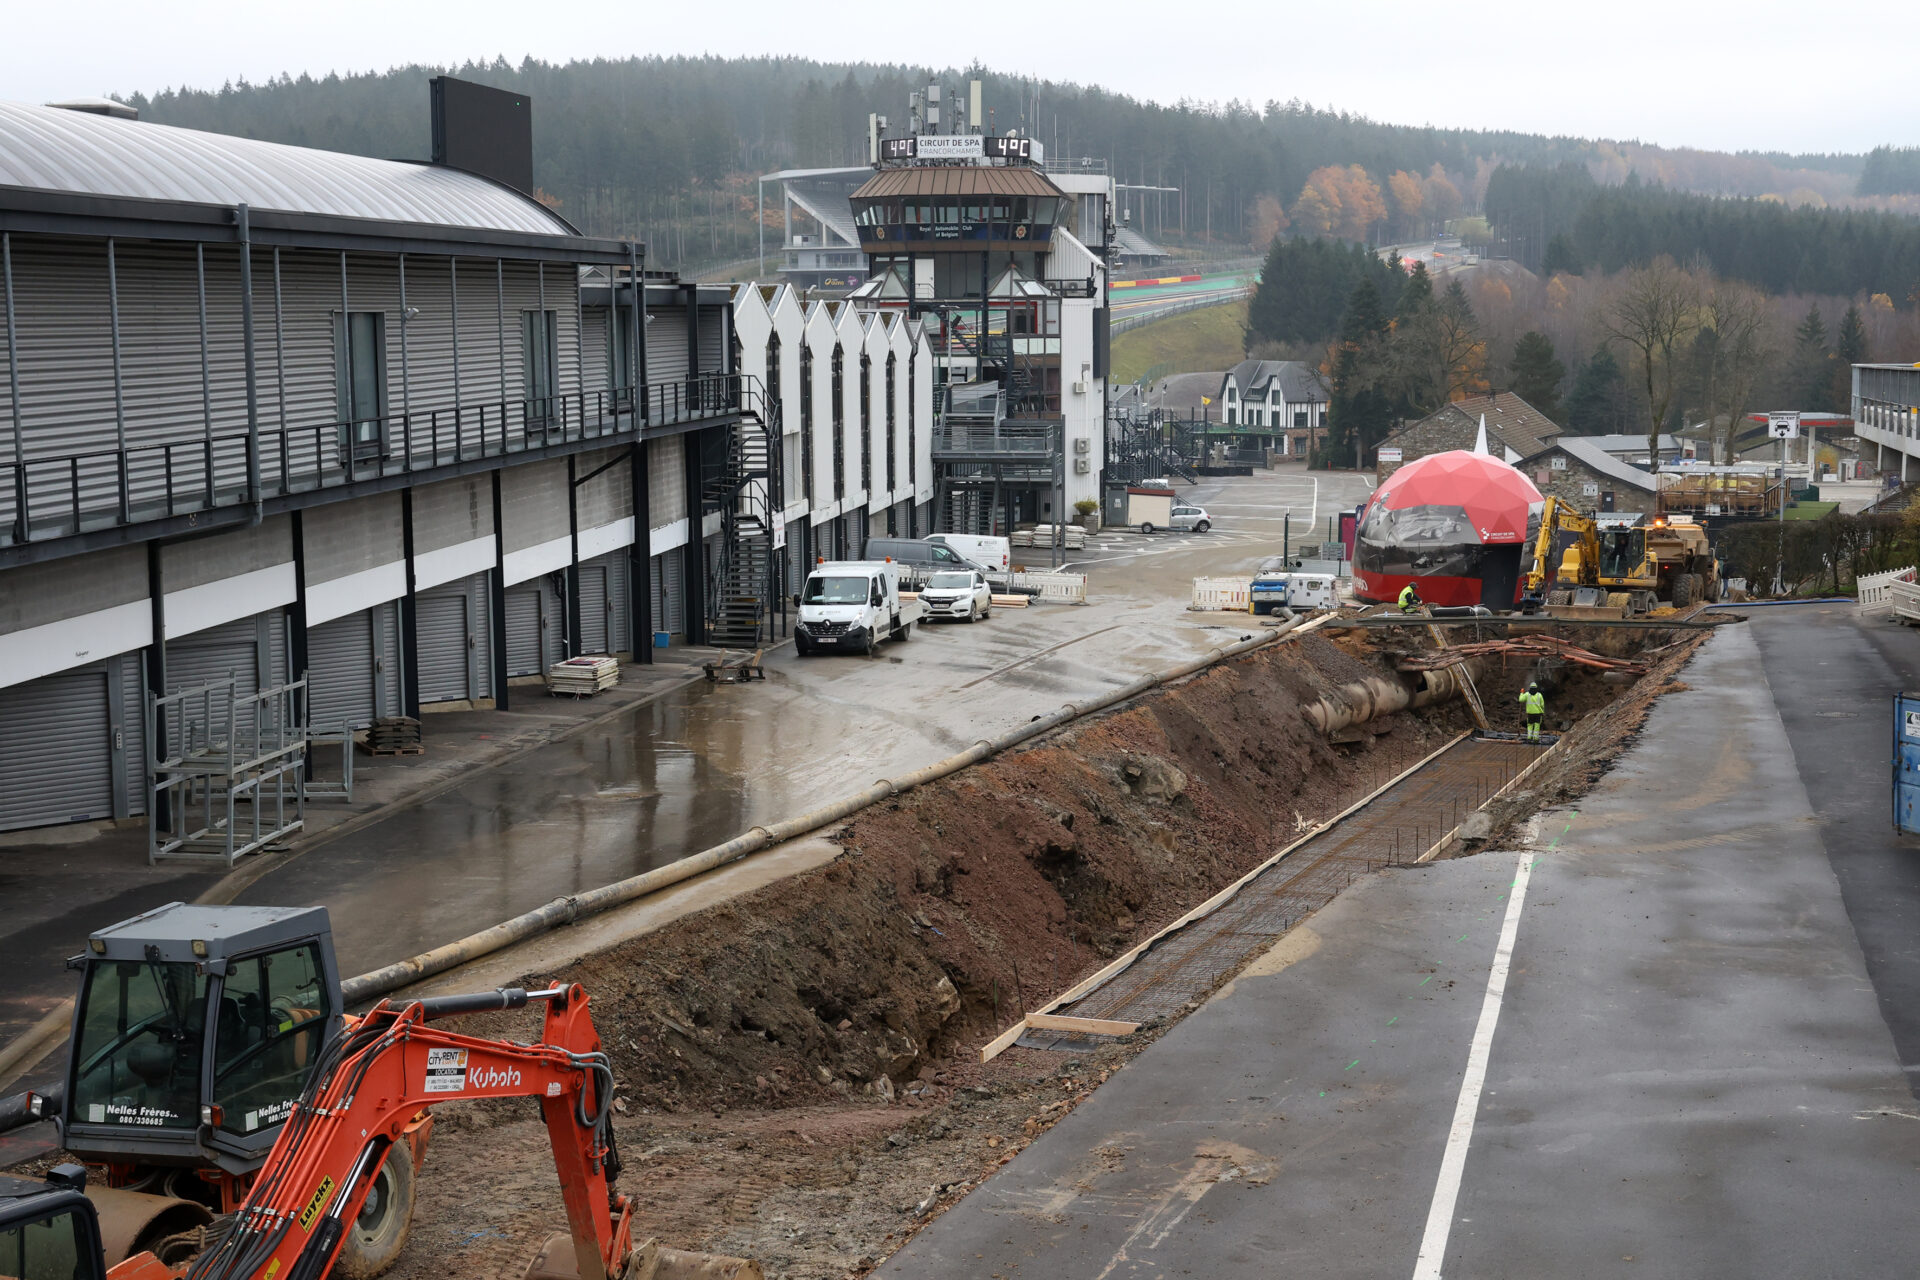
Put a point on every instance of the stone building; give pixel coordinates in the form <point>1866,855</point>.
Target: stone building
<point>1576,470</point>
<point>1515,430</point>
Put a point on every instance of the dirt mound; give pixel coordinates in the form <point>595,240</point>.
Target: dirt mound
<point>970,900</point>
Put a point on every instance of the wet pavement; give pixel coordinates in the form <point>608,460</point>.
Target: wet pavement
<point>696,766</point>
<point>1648,1042</point>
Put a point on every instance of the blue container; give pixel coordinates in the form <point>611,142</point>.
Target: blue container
<point>659,639</point>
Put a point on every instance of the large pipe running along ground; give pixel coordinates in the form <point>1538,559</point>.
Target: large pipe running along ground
<point>561,911</point>
<point>1377,696</point>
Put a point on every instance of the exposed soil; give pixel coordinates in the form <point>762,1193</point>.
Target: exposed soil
<point>799,1068</point>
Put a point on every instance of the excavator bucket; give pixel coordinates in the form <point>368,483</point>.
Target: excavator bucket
<point>651,1261</point>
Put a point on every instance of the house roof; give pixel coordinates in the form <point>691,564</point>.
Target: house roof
<point>1299,381</point>
<point>1630,442</point>
<point>49,149</point>
<point>957,180</point>
<point>1591,456</point>
<point>1510,420</point>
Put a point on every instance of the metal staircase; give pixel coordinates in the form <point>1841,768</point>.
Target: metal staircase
<point>743,604</point>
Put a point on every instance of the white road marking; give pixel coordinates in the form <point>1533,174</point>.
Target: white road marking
<point>1446,1192</point>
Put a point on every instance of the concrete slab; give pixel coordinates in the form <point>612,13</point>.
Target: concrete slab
<point>1690,1074</point>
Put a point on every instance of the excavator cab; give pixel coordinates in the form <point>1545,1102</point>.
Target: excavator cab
<point>195,1030</point>
<point>48,1230</point>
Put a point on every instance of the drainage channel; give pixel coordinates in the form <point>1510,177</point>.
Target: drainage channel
<point>1400,825</point>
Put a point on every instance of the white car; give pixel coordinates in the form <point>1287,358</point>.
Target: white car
<point>1190,519</point>
<point>955,594</point>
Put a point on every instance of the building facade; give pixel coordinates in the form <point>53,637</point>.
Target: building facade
<point>1579,471</point>
<point>1284,401</point>
<point>1886,414</point>
<point>269,413</point>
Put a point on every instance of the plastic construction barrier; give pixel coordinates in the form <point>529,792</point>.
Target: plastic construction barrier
<point>1875,590</point>
<point>1222,595</point>
<point>1061,588</point>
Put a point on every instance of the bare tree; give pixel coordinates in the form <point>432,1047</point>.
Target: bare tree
<point>1654,311</point>
<point>1738,317</point>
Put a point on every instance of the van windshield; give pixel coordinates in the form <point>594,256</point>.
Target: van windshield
<point>835,591</point>
<point>950,581</point>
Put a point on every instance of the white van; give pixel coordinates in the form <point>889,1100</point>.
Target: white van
<point>994,553</point>
<point>851,606</point>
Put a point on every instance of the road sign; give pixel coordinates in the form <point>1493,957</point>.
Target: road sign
<point>1783,426</point>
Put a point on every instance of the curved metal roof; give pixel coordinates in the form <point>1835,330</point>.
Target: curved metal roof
<point>49,149</point>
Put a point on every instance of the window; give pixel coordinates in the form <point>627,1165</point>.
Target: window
<point>839,388</point>
<point>273,1017</point>
<point>360,377</point>
<point>892,386</point>
<point>539,360</point>
<point>43,1249</point>
<point>866,423</point>
<point>140,1045</point>
<point>806,421</point>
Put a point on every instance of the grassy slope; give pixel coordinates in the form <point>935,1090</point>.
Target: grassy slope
<point>1192,342</point>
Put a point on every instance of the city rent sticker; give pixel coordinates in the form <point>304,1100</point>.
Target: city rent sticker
<point>446,1070</point>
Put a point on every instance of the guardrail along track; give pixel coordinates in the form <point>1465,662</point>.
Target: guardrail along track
<point>1399,825</point>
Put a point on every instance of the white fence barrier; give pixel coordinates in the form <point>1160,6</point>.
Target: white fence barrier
<point>1059,588</point>
<point>1904,597</point>
<point>1221,595</point>
<point>1874,587</point>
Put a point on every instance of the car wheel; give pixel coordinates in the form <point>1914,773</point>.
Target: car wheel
<point>987,612</point>
<point>802,648</point>
<point>1203,526</point>
<point>1146,526</point>
<point>973,613</point>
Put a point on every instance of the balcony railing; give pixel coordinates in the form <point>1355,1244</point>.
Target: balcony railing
<point>54,497</point>
<point>1006,437</point>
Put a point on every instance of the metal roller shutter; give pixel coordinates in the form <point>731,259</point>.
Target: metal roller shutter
<point>133,727</point>
<point>441,648</point>
<point>234,649</point>
<point>452,641</point>
<point>593,608</point>
<point>619,615</point>
<point>344,671</point>
<point>56,754</point>
<point>673,592</point>
<point>525,622</point>
<point>388,658</point>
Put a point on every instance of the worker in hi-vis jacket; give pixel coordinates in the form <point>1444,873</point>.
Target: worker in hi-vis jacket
<point>1534,703</point>
<point>1409,599</point>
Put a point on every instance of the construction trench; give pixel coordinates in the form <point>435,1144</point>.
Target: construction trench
<point>800,1069</point>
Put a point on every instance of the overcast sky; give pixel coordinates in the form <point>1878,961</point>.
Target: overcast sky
<point>1832,75</point>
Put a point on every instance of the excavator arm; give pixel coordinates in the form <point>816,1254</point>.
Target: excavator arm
<point>1566,552</point>
<point>372,1081</point>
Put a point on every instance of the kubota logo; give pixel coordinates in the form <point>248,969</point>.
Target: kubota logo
<point>492,1077</point>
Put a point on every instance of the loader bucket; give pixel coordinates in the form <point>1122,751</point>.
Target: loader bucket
<point>555,1261</point>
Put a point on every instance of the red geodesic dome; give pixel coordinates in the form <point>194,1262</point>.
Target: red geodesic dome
<point>1452,523</point>
<point>1496,500</point>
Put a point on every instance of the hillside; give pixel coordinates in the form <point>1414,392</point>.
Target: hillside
<point>668,147</point>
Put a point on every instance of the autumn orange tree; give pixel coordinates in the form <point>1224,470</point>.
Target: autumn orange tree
<point>1340,202</point>
<point>1409,198</point>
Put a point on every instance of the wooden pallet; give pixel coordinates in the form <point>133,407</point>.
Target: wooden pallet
<point>393,736</point>
<point>735,667</point>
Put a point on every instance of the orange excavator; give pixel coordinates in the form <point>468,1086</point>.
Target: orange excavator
<point>368,1089</point>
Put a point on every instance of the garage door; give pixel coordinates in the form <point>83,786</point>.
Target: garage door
<point>251,650</point>
<point>671,608</point>
<point>603,604</point>
<point>353,667</point>
<point>56,761</point>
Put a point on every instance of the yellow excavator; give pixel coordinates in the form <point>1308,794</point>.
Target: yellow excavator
<point>1579,569</point>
